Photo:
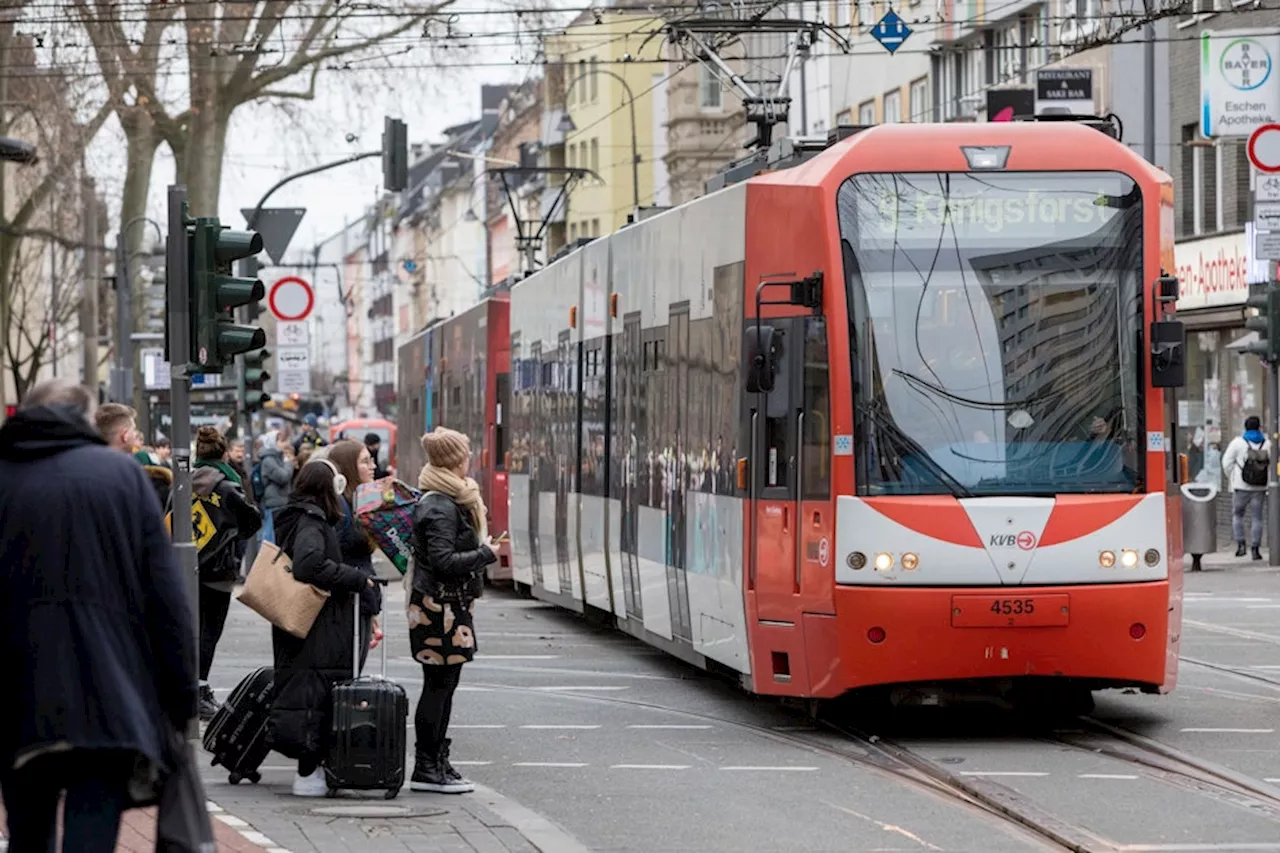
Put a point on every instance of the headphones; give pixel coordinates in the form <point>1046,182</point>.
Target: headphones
<point>339,481</point>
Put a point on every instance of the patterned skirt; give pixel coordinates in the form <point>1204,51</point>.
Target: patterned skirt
<point>441,633</point>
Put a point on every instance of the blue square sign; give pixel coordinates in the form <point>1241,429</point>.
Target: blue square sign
<point>891,31</point>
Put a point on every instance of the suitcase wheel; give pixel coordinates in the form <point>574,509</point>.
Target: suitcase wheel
<point>331,793</point>
<point>234,778</point>
<point>255,777</point>
<point>391,794</point>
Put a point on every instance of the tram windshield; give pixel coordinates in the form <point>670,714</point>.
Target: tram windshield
<point>995,331</point>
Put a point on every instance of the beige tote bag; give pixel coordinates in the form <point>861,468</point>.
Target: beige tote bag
<point>272,592</point>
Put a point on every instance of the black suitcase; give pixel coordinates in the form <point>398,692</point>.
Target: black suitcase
<point>237,734</point>
<point>370,714</point>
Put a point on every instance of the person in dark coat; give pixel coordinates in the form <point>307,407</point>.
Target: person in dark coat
<point>356,467</point>
<point>219,492</point>
<point>451,551</point>
<point>97,647</point>
<point>373,442</point>
<point>306,669</point>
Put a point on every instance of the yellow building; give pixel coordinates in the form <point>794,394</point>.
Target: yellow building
<point>589,56</point>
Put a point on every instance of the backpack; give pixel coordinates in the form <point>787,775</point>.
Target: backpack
<point>1253,471</point>
<point>256,483</point>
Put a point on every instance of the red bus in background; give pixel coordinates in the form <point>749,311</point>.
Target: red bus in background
<point>456,373</point>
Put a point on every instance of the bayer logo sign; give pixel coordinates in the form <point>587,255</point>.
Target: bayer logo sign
<point>1245,64</point>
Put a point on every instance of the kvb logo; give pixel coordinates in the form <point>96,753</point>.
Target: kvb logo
<point>1026,540</point>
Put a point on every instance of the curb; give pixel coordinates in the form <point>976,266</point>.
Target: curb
<point>242,827</point>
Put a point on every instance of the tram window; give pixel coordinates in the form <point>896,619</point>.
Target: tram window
<point>817,427</point>
<point>503,389</point>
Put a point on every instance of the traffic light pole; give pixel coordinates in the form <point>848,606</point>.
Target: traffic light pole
<point>179,288</point>
<point>122,373</point>
<point>1273,482</point>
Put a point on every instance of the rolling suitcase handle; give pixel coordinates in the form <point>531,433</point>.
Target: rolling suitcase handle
<point>355,644</point>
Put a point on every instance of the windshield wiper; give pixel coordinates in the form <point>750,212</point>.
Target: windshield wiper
<point>917,452</point>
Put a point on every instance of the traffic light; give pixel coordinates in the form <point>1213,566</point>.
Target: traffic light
<point>1265,298</point>
<point>395,155</point>
<point>215,293</point>
<point>255,375</point>
<point>249,269</point>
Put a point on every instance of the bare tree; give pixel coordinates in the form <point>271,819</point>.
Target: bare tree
<point>38,103</point>
<point>42,311</point>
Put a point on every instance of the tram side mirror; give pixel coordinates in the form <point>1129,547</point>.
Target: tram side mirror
<point>1168,354</point>
<point>1167,288</point>
<point>761,345</point>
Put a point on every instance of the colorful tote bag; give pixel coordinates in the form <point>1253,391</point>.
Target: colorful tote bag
<point>385,510</point>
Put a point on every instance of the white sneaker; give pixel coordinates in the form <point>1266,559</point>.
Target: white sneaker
<point>310,786</point>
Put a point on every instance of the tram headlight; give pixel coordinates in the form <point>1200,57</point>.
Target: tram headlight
<point>1107,559</point>
<point>1129,558</point>
<point>910,561</point>
<point>884,562</point>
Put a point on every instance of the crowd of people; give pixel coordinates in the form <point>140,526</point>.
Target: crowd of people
<point>99,640</point>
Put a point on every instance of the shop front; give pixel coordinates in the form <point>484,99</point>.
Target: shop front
<point>1225,385</point>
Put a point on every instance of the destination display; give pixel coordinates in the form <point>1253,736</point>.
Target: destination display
<point>1027,209</point>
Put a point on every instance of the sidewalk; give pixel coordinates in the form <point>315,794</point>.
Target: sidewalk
<point>1226,560</point>
<point>267,818</point>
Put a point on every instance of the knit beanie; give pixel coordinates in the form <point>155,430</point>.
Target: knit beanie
<point>446,448</point>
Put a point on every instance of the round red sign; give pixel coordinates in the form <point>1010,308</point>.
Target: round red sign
<point>1026,540</point>
<point>291,299</point>
<point>1264,148</point>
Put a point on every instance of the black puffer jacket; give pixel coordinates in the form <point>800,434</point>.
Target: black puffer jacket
<point>306,670</point>
<point>449,561</point>
<point>357,551</point>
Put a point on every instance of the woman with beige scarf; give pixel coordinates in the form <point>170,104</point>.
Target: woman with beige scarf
<point>451,550</point>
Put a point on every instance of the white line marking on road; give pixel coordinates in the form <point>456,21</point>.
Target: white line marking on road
<point>483,657</point>
<point>887,827</point>
<point>548,764</point>
<point>470,763</point>
<point>561,688</point>
<point>1277,779</point>
<point>1001,773</point>
<point>556,726</point>
<point>1106,776</point>
<point>1228,731</point>
<point>1264,666</point>
<point>477,725</point>
<point>667,726</point>
<point>1263,607</point>
<point>1240,600</point>
<point>793,728</point>
<point>649,767</point>
<point>771,769</point>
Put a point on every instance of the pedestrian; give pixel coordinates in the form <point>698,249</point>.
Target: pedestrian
<point>96,648</point>
<point>118,424</point>
<point>163,450</point>
<point>451,550</point>
<point>228,519</point>
<point>306,669</point>
<point>277,478</point>
<point>1248,459</point>
<point>309,436</point>
<point>159,474</point>
<point>356,466</point>
<point>373,442</point>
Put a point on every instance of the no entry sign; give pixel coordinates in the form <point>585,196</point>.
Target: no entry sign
<point>1264,148</point>
<point>291,299</point>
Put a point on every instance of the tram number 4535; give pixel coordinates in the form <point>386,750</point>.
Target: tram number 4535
<point>1013,606</point>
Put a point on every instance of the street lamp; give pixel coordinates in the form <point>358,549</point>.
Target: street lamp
<point>566,125</point>
<point>17,151</point>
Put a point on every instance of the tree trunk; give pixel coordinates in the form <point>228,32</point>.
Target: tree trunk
<point>142,140</point>
<point>205,143</point>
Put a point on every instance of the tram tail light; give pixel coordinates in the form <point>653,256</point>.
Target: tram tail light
<point>742,473</point>
<point>573,317</point>
<point>910,561</point>
<point>613,305</point>
<point>1107,559</point>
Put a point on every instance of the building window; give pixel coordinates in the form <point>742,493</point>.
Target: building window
<point>844,117</point>
<point>1080,18</point>
<point>893,106</point>
<point>842,12</point>
<point>595,79</point>
<point>595,155</point>
<point>573,231</point>
<point>918,100</point>
<point>595,228</point>
<point>571,151</point>
<point>709,94</point>
<point>1006,54</point>
<point>867,113</point>
<point>1241,186</point>
<point>1034,36</point>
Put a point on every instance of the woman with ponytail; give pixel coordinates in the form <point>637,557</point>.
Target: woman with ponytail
<point>451,550</point>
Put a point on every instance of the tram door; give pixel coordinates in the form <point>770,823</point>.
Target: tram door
<point>788,470</point>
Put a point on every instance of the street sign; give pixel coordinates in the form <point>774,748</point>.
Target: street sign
<point>1266,216</point>
<point>1264,148</point>
<point>292,358</point>
<point>891,31</point>
<point>1266,245</point>
<point>291,299</point>
<point>1266,187</point>
<point>155,370</point>
<point>277,225</point>
<point>293,334</point>
<point>293,382</point>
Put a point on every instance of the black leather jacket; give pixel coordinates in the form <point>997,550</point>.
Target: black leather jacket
<point>448,560</point>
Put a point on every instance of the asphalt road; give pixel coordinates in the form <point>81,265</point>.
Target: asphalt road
<point>627,750</point>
